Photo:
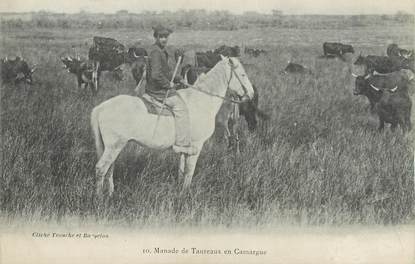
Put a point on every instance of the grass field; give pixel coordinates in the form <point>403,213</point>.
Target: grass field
<point>319,160</point>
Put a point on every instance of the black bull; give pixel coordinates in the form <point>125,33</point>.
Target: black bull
<point>108,55</point>
<point>388,97</point>
<point>393,50</point>
<point>384,64</point>
<point>82,69</point>
<point>296,68</point>
<point>254,52</point>
<point>228,51</point>
<point>336,49</point>
<point>15,71</point>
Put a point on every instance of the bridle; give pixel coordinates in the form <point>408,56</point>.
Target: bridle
<point>232,73</point>
<point>233,67</point>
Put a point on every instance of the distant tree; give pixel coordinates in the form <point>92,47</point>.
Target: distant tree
<point>149,13</point>
<point>166,13</point>
<point>122,12</point>
<point>43,12</point>
<point>276,12</point>
<point>252,13</point>
<point>200,12</point>
<point>404,17</point>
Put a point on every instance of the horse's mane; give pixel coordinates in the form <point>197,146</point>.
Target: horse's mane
<point>212,77</point>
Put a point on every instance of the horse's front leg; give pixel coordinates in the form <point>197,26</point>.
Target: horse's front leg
<point>237,143</point>
<point>235,134</point>
<point>182,165</point>
<point>95,76</point>
<point>228,135</point>
<point>189,169</point>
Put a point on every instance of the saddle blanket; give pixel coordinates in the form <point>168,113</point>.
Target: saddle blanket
<point>154,106</point>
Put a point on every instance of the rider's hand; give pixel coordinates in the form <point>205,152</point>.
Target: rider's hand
<point>178,86</point>
<point>177,79</point>
<point>179,53</point>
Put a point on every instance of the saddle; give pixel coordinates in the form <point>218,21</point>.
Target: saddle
<point>154,106</point>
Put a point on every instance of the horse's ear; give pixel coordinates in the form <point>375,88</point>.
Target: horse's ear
<point>222,57</point>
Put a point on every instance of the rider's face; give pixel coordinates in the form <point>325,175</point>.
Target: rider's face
<point>162,40</point>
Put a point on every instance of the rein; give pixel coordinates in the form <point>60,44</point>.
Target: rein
<point>229,81</point>
<point>214,95</point>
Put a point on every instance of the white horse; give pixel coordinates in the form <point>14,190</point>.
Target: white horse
<point>124,118</point>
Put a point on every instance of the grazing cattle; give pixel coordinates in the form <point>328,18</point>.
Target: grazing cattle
<point>336,49</point>
<point>108,55</point>
<point>15,71</point>
<point>296,68</point>
<point>108,52</point>
<point>384,64</point>
<point>392,104</point>
<point>81,68</point>
<point>254,52</point>
<point>393,50</point>
<point>228,51</point>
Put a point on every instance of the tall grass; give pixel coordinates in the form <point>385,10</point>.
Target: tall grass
<point>319,160</point>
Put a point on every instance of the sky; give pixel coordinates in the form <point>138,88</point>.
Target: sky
<point>234,6</point>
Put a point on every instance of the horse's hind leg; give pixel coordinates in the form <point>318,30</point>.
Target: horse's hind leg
<point>104,167</point>
<point>110,180</point>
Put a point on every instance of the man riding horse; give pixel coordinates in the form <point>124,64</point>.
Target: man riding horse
<point>160,87</point>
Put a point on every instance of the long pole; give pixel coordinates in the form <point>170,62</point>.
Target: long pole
<point>167,94</point>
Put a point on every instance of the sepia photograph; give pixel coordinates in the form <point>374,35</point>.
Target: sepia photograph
<point>207,131</point>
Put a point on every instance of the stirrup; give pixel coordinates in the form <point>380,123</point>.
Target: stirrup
<point>189,150</point>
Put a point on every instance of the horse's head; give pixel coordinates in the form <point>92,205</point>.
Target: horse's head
<point>238,82</point>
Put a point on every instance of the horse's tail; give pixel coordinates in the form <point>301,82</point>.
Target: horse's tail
<point>99,144</point>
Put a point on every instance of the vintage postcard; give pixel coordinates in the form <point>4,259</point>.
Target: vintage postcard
<point>207,131</point>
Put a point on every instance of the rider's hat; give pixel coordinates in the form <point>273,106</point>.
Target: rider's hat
<point>161,30</point>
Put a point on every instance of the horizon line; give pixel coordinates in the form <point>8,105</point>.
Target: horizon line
<point>159,12</point>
